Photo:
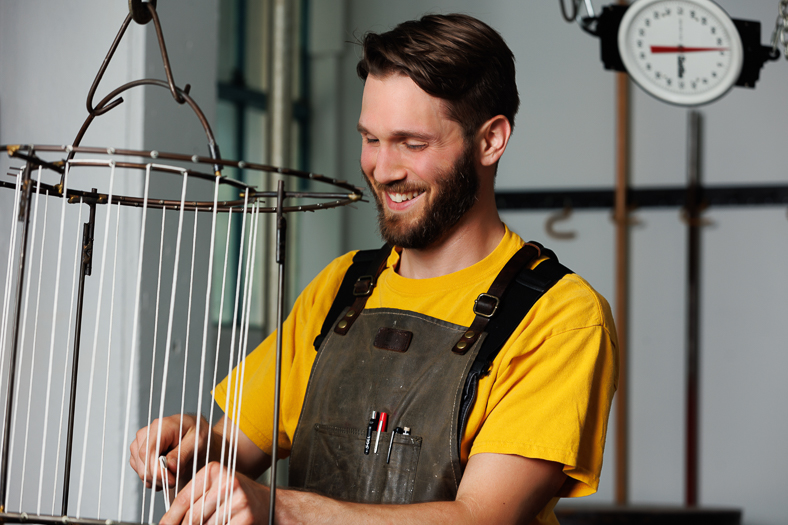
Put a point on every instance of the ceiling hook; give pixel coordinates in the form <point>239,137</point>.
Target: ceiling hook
<point>562,215</point>
<point>139,11</point>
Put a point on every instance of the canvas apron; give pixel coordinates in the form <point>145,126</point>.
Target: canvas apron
<point>392,361</point>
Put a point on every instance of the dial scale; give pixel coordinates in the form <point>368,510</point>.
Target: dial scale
<point>685,52</point>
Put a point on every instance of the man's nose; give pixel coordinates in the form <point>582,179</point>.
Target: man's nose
<point>388,166</point>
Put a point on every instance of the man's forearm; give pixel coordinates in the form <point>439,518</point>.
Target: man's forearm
<point>296,507</point>
<point>495,488</point>
<point>251,460</point>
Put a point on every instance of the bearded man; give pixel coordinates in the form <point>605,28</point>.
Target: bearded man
<point>494,365</point>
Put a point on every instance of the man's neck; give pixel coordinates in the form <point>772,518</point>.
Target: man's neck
<point>470,241</point>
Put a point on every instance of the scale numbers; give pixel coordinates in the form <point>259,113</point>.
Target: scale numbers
<point>685,52</point>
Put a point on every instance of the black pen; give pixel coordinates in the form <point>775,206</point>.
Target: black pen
<point>370,428</point>
<point>399,430</point>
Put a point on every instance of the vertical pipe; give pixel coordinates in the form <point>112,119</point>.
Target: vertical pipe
<point>621,215</point>
<point>279,134</point>
<point>280,119</point>
<point>693,212</point>
<point>24,218</point>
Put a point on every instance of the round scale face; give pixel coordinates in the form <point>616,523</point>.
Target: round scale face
<point>686,52</point>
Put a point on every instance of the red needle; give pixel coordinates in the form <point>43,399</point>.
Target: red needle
<point>682,49</point>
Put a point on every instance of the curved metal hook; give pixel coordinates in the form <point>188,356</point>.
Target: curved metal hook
<point>213,148</point>
<point>100,108</point>
<point>562,215</point>
<point>165,58</point>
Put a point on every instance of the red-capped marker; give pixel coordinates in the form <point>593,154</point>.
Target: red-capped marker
<point>381,428</point>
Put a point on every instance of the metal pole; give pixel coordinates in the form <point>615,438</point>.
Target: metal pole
<point>621,215</point>
<point>280,117</point>
<point>86,268</point>
<point>281,250</point>
<point>24,218</point>
<point>693,214</point>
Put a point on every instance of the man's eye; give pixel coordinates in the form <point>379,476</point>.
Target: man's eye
<point>370,140</point>
<point>415,147</point>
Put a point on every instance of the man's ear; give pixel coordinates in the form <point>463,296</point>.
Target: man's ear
<point>492,138</point>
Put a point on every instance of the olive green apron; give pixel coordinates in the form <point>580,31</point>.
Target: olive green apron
<point>392,361</point>
<point>413,368</point>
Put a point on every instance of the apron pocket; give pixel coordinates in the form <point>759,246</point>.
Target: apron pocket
<point>338,467</point>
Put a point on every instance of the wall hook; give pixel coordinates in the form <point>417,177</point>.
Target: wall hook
<point>562,215</point>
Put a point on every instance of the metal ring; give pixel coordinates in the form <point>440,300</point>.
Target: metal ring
<point>139,11</point>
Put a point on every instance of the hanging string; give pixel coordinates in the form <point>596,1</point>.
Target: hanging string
<point>95,341</point>
<point>186,355</point>
<point>168,339</point>
<point>52,340</point>
<point>77,252</point>
<point>244,343</point>
<point>204,342</point>
<point>152,369</point>
<point>215,367</point>
<point>7,289</point>
<point>135,322</point>
<point>33,351</point>
<point>162,464</point>
<point>232,340</point>
<point>109,356</point>
<point>18,371</point>
<point>234,430</point>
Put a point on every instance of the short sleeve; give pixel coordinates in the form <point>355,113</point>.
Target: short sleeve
<point>550,390</point>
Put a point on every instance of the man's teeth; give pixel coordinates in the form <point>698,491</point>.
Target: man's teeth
<point>402,197</point>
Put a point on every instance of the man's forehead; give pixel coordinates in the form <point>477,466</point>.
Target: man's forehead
<point>398,102</point>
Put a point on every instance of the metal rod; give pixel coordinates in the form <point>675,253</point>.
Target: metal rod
<point>693,213</point>
<point>280,118</point>
<point>281,251</point>
<point>43,519</point>
<point>622,285</point>
<point>663,197</point>
<point>24,217</point>
<point>14,150</point>
<point>88,230</point>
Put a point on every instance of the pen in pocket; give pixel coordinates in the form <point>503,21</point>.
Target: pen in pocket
<point>381,428</point>
<point>399,430</point>
<point>370,428</point>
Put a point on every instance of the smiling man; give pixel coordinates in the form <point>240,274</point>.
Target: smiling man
<point>481,368</point>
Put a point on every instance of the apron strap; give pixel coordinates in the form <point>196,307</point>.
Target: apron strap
<point>360,278</point>
<point>486,305</point>
<point>528,287</point>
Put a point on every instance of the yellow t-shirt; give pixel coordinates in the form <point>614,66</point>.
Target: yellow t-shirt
<point>548,393</point>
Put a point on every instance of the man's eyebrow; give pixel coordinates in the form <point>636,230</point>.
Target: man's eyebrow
<point>401,133</point>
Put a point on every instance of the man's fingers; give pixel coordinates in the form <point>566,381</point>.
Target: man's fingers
<point>145,454</point>
<point>207,481</point>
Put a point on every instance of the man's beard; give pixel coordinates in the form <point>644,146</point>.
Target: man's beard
<point>455,193</point>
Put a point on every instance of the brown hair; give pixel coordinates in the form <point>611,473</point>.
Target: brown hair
<point>457,58</point>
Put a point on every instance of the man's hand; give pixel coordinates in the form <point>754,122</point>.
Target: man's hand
<point>245,504</point>
<point>145,458</point>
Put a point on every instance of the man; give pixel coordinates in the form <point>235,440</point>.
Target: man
<point>499,446</point>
